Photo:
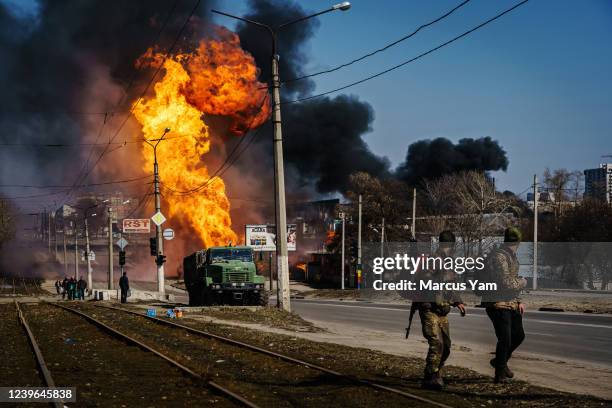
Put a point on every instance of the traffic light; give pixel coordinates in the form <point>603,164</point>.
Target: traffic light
<point>153,246</point>
<point>121,258</point>
<point>160,259</point>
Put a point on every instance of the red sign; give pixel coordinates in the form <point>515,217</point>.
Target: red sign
<point>136,226</point>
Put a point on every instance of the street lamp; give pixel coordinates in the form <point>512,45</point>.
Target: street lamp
<point>282,259</point>
<point>159,259</point>
<point>87,258</point>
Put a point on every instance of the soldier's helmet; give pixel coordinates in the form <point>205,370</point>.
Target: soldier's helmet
<point>512,234</point>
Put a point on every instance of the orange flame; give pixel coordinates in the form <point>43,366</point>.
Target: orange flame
<point>219,79</point>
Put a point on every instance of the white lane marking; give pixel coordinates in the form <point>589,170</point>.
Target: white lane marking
<point>539,334</point>
<point>601,326</point>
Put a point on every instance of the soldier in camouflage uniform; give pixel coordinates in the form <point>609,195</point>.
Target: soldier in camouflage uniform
<point>433,311</point>
<point>503,306</point>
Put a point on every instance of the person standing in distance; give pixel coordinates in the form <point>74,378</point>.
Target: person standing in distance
<point>504,306</point>
<point>124,285</point>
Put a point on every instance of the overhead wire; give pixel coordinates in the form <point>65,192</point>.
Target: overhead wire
<point>140,98</point>
<point>386,47</point>
<point>386,71</point>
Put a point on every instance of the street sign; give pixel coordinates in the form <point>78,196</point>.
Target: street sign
<point>168,234</point>
<point>137,225</point>
<point>122,243</point>
<point>92,256</point>
<point>158,218</point>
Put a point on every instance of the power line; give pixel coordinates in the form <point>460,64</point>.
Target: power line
<point>176,40</point>
<point>104,183</point>
<point>410,60</point>
<point>386,47</point>
<point>70,145</point>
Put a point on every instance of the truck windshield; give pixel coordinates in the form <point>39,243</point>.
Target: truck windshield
<point>219,255</point>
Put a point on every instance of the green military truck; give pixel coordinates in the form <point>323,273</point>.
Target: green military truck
<point>223,276</point>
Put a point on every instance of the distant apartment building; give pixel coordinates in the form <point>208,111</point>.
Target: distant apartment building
<point>598,183</point>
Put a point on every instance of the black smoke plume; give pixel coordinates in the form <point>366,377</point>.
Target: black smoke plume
<point>322,137</point>
<point>433,158</point>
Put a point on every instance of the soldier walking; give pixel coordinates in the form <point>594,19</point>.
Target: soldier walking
<point>504,306</point>
<point>433,309</point>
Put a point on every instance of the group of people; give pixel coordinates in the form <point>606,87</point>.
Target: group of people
<point>503,307</point>
<point>76,289</point>
<point>71,288</point>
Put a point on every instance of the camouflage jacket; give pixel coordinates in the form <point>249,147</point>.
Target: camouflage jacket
<point>441,301</point>
<point>503,268</point>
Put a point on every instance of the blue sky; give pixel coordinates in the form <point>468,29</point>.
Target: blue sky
<point>539,80</point>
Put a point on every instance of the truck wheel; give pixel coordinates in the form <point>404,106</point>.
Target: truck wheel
<point>262,299</point>
<point>195,297</point>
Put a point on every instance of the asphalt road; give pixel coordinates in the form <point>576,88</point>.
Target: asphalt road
<point>581,337</point>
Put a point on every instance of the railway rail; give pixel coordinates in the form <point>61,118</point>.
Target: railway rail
<point>42,365</point>
<point>116,333</point>
<point>283,357</point>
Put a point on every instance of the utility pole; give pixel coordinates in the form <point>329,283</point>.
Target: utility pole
<point>65,250</point>
<point>535,231</point>
<point>382,238</point>
<point>282,258</point>
<point>89,274</point>
<point>343,215</point>
<point>110,249</point>
<point>55,235</point>
<point>48,230</point>
<point>413,227</point>
<point>359,266</point>
<point>76,252</point>
<point>159,239</point>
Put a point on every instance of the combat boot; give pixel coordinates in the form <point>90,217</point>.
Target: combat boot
<point>433,381</point>
<point>509,372</point>
<point>501,377</point>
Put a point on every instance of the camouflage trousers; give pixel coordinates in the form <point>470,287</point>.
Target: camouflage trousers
<point>436,331</point>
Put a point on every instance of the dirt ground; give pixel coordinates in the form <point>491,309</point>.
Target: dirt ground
<point>371,356</point>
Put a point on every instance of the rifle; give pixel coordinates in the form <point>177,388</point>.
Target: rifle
<point>413,308</point>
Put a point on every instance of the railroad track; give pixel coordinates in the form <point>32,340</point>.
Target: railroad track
<point>42,366</point>
<point>283,357</point>
<point>116,333</point>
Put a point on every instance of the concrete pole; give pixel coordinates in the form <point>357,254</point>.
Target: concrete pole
<point>65,250</point>
<point>89,273</point>
<point>282,256</point>
<point>111,283</point>
<point>359,266</point>
<point>161,287</point>
<point>48,222</point>
<point>413,227</point>
<point>535,232</point>
<point>55,236</point>
<point>76,252</point>
<point>382,239</point>
<point>342,265</point>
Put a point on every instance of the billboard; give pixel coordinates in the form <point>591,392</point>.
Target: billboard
<point>136,226</point>
<point>262,237</point>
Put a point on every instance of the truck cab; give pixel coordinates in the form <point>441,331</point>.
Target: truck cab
<point>224,275</point>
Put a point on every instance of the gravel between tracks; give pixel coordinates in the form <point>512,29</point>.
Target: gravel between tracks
<point>107,371</point>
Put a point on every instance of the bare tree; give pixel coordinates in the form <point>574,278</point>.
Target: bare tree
<point>7,222</point>
<point>470,206</point>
